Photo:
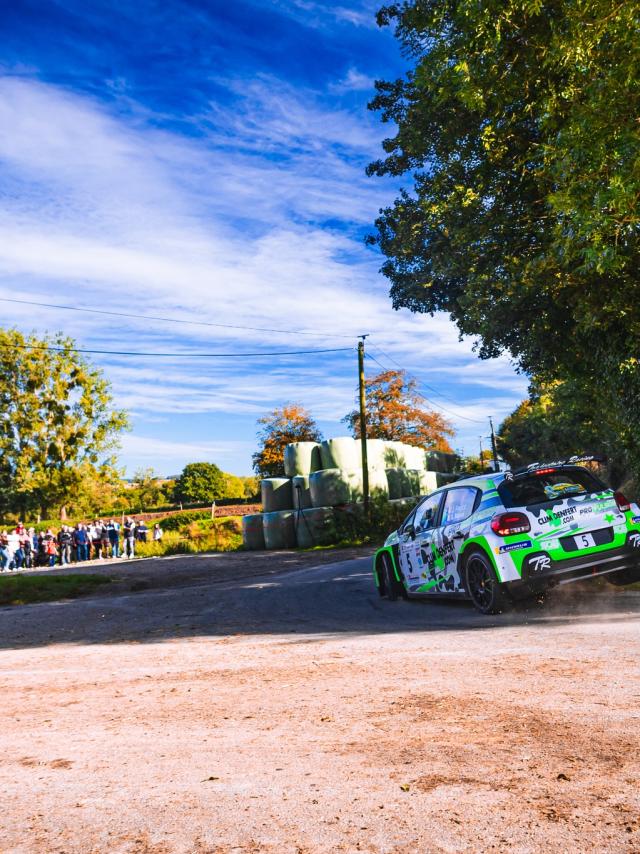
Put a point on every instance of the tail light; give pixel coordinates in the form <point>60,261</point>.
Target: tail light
<point>622,501</point>
<point>505,524</point>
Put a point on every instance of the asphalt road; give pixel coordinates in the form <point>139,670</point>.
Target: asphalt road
<point>339,598</point>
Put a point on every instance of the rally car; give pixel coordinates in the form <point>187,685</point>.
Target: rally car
<point>511,535</point>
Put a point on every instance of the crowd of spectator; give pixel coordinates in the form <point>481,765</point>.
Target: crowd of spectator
<point>24,548</point>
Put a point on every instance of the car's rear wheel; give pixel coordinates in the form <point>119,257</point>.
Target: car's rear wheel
<point>624,576</point>
<point>482,585</point>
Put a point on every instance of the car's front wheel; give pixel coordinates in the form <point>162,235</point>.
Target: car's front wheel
<point>482,585</point>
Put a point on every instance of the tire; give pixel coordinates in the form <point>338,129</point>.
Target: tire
<point>482,586</point>
<point>624,577</point>
<point>390,583</point>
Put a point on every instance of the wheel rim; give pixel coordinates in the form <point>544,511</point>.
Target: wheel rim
<point>481,582</point>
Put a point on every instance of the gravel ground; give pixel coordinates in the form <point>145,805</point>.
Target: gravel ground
<point>297,712</point>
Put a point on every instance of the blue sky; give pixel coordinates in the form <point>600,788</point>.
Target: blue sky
<point>204,162</point>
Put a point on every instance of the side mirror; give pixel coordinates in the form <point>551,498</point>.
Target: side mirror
<point>410,530</point>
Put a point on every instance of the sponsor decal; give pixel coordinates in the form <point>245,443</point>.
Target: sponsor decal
<point>549,545</point>
<point>558,516</point>
<point>585,510</point>
<point>510,547</point>
<point>634,539</point>
<point>635,519</point>
<point>539,564</point>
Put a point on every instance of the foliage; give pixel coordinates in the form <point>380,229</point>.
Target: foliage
<point>290,423</point>
<point>395,411</point>
<point>351,527</point>
<point>222,534</point>
<point>241,488</point>
<point>200,482</point>
<point>477,464</point>
<point>57,423</point>
<point>179,520</point>
<point>24,589</point>
<point>146,491</point>
<point>559,420</point>
<point>519,124</point>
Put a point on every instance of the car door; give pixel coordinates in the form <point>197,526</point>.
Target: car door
<point>416,555</point>
<point>459,504</point>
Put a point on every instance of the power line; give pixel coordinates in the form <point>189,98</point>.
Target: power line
<point>430,400</point>
<point>172,319</point>
<point>174,355</point>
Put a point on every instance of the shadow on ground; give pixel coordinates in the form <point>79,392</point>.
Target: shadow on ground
<point>327,600</point>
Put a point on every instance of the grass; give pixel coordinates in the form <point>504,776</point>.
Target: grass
<point>223,534</point>
<point>25,589</point>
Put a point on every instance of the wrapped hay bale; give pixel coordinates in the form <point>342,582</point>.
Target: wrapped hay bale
<point>302,458</point>
<point>428,482</point>
<point>301,492</point>
<point>330,487</point>
<point>375,453</point>
<point>279,530</point>
<point>441,462</point>
<point>315,527</point>
<point>253,532</point>
<point>415,457</point>
<point>341,453</point>
<point>378,485</point>
<point>394,455</point>
<point>393,483</point>
<point>276,494</point>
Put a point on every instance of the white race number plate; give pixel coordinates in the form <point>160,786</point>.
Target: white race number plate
<point>584,541</point>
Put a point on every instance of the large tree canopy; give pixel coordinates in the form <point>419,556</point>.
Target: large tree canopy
<point>520,124</point>
<point>289,423</point>
<point>57,424</point>
<point>200,482</point>
<point>395,411</point>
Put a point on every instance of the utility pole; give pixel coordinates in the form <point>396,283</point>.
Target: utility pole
<point>481,449</point>
<point>363,426</point>
<point>493,446</point>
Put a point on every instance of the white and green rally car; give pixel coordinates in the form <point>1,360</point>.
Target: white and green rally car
<point>510,535</point>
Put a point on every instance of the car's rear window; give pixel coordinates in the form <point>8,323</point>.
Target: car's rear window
<point>554,485</point>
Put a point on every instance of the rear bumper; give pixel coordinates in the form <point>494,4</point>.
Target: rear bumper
<point>540,571</point>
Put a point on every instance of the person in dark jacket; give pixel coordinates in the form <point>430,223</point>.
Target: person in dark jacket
<point>113,529</point>
<point>129,537</point>
<point>81,542</point>
<point>141,531</point>
<point>65,540</point>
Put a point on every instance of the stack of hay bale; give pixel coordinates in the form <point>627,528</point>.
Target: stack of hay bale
<point>299,508</point>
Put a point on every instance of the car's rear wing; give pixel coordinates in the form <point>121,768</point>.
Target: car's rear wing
<point>556,464</point>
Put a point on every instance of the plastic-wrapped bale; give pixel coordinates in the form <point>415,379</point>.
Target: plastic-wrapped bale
<point>341,453</point>
<point>428,482</point>
<point>441,462</point>
<point>393,483</point>
<point>279,529</point>
<point>330,487</point>
<point>415,457</point>
<point>375,453</point>
<point>412,482</point>
<point>276,494</point>
<point>445,479</point>
<point>394,455</point>
<point>302,458</point>
<point>315,527</point>
<point>378,484</point>
<point>301,492</point>
<point>253,532</point>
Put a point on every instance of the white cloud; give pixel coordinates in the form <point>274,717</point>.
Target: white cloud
<point>229,226</point>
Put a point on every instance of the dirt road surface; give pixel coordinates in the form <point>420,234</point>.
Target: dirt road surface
<point>299,713</point>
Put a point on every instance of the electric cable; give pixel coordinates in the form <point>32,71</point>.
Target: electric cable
<point>172,319</point>
<point>175,355</point>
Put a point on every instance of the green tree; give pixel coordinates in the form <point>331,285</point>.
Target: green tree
<point>519,124</point>
<point>58,426</point>
<point>200,482</point>
<point>559,420</point>
<point>396,411</point>
<point>289,423</point>
<point>147,491</point>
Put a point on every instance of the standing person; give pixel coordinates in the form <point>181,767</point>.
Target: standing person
<point>129,537</point>
<point>4,552</point>
<point>81,541</point>
<point>50,547</point>
<point>96,539</point>
<point>13,545</point>
<point>157,533</point>
<point>27,547</point>
<point>105,540</point>
<point>142,531</point>
<point>64,545</point>
<point>19,556</point>
<point>113,529</point>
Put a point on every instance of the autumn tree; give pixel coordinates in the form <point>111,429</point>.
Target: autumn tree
<point>289,423</point>
<point>147,490</point>
<point>396,411</point>
<point>58,427</point>
<point>516,129</point>
<point>200,482</point>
